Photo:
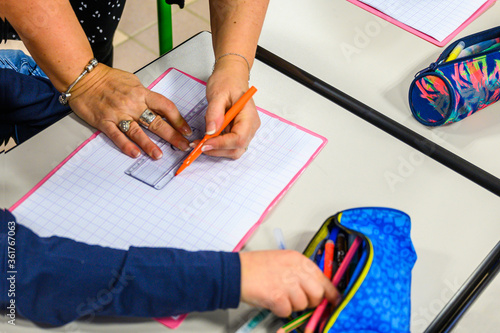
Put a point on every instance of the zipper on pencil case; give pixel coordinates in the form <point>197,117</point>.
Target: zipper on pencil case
<point>438,64</point>
<point>446,52</point>
<point>315,243</point>
<point>365,259</point>
<point>319,238</point>
<point>367,250</point>
<point>324,233</point>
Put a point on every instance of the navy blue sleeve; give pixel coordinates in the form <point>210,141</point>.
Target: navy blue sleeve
<point>37,109</point>
<point>58,280</point>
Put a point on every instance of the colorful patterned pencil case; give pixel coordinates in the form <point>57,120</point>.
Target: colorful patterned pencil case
<point>376,284</point>
<point>451,89</point>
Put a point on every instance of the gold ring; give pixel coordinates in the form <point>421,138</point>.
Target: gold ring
<point>124,125</point>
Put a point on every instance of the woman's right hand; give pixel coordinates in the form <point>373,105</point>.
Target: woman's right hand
<point>106,96</point>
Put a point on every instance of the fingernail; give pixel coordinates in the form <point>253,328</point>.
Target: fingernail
<point>206,148</point>
<point>210,128</point>
<point>157,154</point>
<point>136,153</point>
<point>192,145</point>
<point>187,130</point>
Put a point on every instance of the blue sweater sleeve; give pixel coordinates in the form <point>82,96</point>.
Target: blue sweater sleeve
<point>58,280</point>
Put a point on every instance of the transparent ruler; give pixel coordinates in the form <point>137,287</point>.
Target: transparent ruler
<point>157,173</point>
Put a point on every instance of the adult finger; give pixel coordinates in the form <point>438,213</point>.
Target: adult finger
<point>136,134</point>
<point>215,113</point>
<point>226,145</point>
<point>241,133</point>
<point>120,140</point>
<point>167,109</point>
<point>161,128</point>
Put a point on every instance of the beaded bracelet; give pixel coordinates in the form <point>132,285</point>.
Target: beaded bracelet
<point>236,54</point>
<point>63,99</point>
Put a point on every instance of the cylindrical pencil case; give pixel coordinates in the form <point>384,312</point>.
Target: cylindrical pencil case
<point>374,256</point>
<point>463,80</point>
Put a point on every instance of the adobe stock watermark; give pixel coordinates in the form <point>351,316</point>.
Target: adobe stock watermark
<point>407,165</point>
<point>87,310</point>
<point>405,169</point>
<point>424,315</point>
<point>11,273</point>
<point>71,328</point>
<point>79,158</point>
<point>363,36</point>
<point>263,139</point>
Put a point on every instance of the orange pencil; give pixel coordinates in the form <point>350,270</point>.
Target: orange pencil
<point>228,117</point>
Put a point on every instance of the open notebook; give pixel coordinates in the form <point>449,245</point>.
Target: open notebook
<point>100,196</point>
<point>437,21</point>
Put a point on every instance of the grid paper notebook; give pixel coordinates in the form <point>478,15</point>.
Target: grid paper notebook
<point>215,204</point>
<point>437,21</point>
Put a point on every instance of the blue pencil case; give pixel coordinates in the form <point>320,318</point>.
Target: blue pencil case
<point>376,284</point>
<point>451,89</point>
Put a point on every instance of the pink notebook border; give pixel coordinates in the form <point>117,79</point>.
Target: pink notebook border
<point>174,322</point>
<point>418,33</point>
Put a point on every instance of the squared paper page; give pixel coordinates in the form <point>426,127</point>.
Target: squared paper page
<point>437,19</point>
<point>213,205</point>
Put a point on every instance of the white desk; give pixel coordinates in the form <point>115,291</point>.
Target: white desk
<point>454,221</point>
<point>375,61</point>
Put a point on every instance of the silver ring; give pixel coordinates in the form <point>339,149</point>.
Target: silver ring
<point>124,125</point>
<point>147,118</point>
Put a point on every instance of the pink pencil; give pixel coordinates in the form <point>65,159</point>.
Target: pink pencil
<point>313,322</point>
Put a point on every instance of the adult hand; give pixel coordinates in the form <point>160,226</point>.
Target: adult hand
<point>226,85</point>
<point>106,96</point>
<point>283,281</point>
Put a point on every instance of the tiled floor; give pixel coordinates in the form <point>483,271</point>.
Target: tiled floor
<point>136,40</point>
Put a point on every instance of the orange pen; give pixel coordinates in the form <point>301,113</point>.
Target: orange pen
<point>328,263</point>
<point>228,117</point>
